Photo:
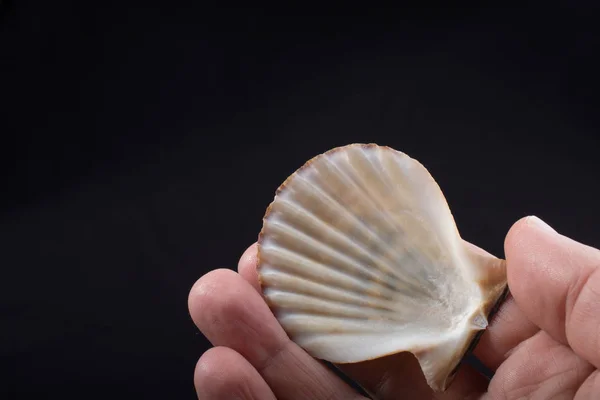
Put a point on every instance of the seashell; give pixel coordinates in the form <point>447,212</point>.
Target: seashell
<point>360,258</point>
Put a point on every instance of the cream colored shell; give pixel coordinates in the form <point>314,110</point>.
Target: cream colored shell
<point>359,258</point>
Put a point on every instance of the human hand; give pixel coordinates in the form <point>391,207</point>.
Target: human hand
<point>543,343</point>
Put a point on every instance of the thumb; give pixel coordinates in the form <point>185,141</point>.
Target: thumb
<point>556,282</point>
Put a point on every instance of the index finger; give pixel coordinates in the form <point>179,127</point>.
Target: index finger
<point>556,282</point>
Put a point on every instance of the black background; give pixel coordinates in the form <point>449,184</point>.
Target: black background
<point>142,145</point>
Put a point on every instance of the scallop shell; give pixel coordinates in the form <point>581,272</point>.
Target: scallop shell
<point>360,258</point>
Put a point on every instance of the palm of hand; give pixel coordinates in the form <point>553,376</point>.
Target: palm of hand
<point>544,343</point>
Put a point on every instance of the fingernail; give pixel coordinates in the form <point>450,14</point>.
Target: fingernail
<point>535,221</point>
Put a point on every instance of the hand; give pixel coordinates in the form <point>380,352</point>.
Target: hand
<point>543,343</point>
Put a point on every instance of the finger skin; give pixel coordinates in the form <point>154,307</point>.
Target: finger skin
<point>539,368</point>
<point>590,388</point>
<point>396,376</point>
<point>222,373</point>
<point>556,282</point>
<point>230,313</point>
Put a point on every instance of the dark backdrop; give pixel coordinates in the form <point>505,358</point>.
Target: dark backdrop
<point>142,145</point>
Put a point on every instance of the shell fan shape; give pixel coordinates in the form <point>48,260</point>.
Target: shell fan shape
<point>360,258</point>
